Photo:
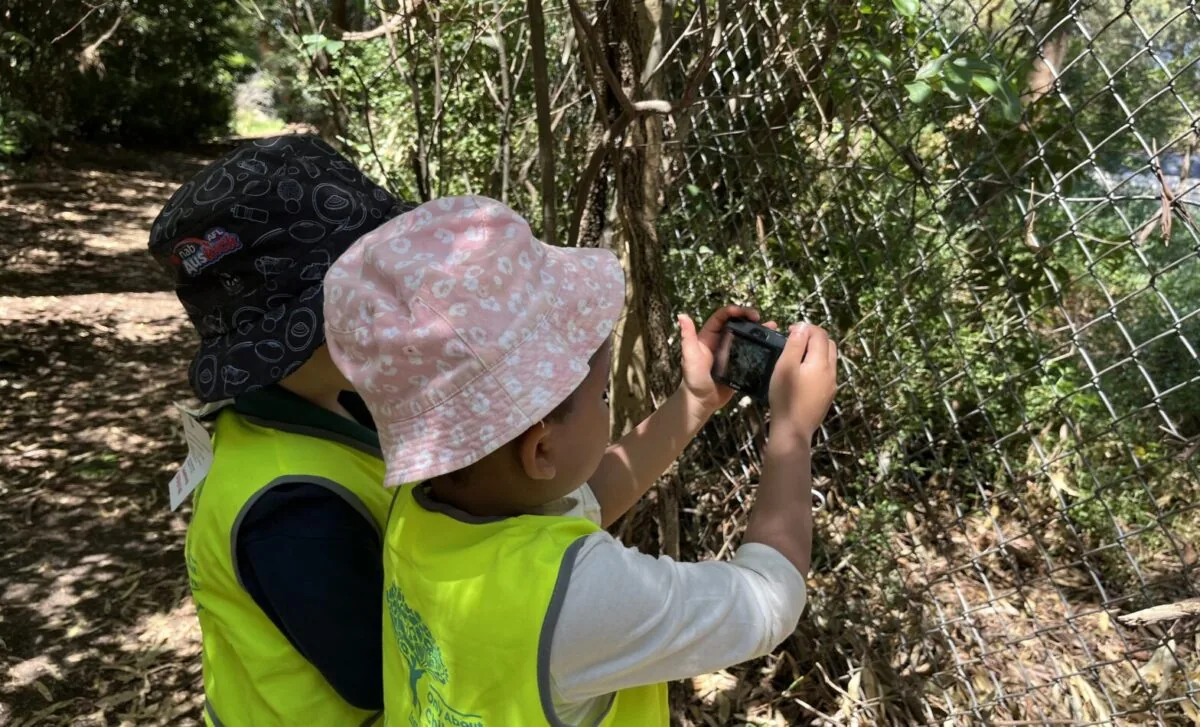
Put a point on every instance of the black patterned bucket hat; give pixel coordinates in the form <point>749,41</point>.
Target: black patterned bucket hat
<point>247,242</point>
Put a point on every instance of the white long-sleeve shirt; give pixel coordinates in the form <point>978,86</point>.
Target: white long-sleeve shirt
<point>629,619</point>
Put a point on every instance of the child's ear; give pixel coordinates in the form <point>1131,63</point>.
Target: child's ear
<point>534,454</point>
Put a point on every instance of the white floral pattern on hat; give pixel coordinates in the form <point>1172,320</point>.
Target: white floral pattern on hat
<point>460,330</point>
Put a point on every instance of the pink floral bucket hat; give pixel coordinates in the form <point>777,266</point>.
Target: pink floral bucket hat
<point>460,329</point>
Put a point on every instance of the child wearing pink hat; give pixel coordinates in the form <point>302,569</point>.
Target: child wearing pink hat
<point>483,356</point>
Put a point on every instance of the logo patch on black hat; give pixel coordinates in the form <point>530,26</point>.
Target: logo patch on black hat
<point>195,254</point>
<point>246,243</point>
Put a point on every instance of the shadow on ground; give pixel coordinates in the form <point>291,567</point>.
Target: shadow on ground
<point>96,615</point>
<point>96,625</point>
<point>69,221</point>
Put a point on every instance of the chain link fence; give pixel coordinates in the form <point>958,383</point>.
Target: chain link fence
<point>1010,266</point>
<point>992,205</point>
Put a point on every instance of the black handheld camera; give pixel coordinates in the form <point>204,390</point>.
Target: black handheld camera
<point>746,356</point>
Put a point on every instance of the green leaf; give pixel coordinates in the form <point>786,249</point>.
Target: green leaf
<point>882,60</point>
<point>918,91</point>
<point>693,190</point>
<point>16,38</point>
<point>1010,105</point>
<point>987,84</point>
<point>907,8</point>
<point>975,65</point>
<point>932,68</point>
<point>957,75</point>
<point>955,90</point>
<point>317,43</point>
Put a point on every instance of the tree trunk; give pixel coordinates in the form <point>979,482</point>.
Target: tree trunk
<point>1049,61</point>
<point>595,210</point>
<point>594,222</point>
<point>337,14</point>
<point>414,677</point>
<point>646,372</point>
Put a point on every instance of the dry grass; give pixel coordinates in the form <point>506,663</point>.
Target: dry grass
<point>994,616</point>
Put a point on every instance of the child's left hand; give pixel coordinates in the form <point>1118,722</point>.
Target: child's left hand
<point>698,350</point>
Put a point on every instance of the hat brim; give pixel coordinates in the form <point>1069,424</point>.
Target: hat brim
<point>531,381</point>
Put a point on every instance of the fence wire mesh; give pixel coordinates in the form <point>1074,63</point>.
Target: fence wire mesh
<point>1017,299</point>
<point>992,206</point>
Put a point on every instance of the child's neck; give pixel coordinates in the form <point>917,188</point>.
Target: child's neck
<point>499,497</point>
<point>321,396</point>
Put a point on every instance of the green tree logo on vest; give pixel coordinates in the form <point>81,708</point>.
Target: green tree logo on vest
<point>424,659</point>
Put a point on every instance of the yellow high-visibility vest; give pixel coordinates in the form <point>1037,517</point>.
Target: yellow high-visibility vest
<point>470,606</point>
<point>253,677</point>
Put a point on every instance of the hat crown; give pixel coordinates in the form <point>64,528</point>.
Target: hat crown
<point>247,242</point>
<point>459,328</point>
<point>440,296</point>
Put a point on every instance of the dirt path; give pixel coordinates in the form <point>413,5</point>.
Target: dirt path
<point>96,625</point>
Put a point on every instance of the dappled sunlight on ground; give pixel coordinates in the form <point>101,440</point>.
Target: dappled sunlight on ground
<point>96,624</point>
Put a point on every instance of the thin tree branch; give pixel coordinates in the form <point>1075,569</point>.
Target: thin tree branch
<point>251,6</point>
<point>603,149</point>
<point>420,161</point>
<point>593,43</point>
<point>456,74</point>
<point>312,19</point>
<point>570,72</point>
<point>391,25</point>
<point>490,87</point>
<point>710,52</point>
<point>366,107</point>
<point>439,102</point>
<point>541,88</point>
<point>79,22</point>
<point>89,57</point>
<point>505,104</point>
<point>687,32</point>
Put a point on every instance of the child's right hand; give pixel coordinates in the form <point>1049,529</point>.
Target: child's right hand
<point>804,382</point>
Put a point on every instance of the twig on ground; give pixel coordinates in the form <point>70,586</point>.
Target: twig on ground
<point>1164,612</point>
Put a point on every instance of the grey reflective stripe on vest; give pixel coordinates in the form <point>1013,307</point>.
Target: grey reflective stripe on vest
<point>212,714</point>
<point>339,490</point>
<point>387,521</point>
<point>546,637</point>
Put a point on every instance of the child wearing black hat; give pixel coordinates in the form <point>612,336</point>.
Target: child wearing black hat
<point>283,547</point>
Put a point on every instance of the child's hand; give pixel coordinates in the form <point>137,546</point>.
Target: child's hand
<point>804,382</point>
<point>698,350</point>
